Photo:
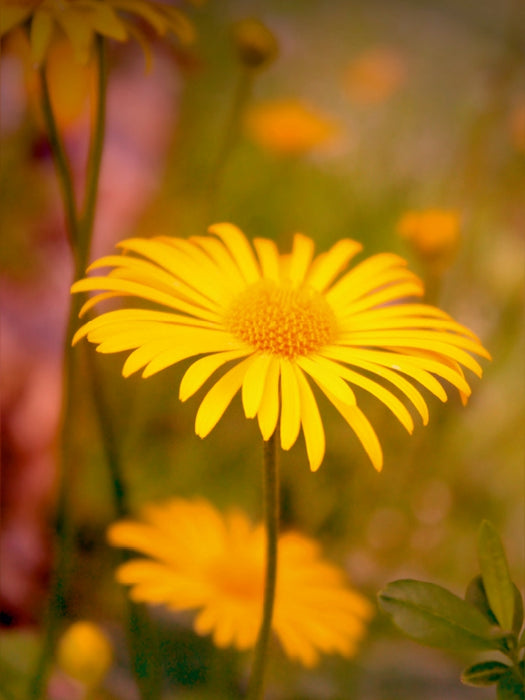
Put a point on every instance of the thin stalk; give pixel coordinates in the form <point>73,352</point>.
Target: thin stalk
<point>233,126</point>
<point>57,604</point>
<point>87,220</point>
<point>271,521</point>
<point>61,160</point>
<point>80,229</point>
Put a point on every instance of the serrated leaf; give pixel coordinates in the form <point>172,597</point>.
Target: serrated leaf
<point>495,575</point>
<point>434,616</point>
<point>511,687</point>
<point>484,673</point>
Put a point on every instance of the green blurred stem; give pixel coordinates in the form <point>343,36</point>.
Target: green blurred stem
<point>62,165</point>
<point>86,222</point>
<point>241,96</point>
<point>271,520</point>
<point>80,230</point>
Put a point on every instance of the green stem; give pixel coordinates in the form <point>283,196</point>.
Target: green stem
<point>87,220</point>
<point>233,127</point>
<point>271,520</point>
<point>62,165</point>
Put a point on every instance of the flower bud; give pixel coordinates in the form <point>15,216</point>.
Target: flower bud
<point>256,45</point>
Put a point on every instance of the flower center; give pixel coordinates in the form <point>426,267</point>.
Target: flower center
<point>238,578</point>
<point>281,320</point>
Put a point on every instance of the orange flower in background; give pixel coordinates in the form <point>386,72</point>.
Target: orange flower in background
<point>274,325</point>
<point>81,20</point>
<point>433,234</point>
<point>289,126</point>
<point>375,75</point>
<point>195,558</point>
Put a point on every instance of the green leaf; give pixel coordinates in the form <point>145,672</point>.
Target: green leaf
<point>484,673</point>
<point>511,687</point>
<point>495,575</point>
<point>517,622</point>
<point>476,596</point>
<point>434,616</point>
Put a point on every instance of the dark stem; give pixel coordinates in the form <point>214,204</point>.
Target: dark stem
<point>271,521</point>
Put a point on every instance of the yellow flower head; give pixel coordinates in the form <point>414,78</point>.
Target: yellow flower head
<point>375,75</point>
<point>289,126</point>
<point>197,559</point>
<point>279,323</point>
<point>81,20</point>
<point>85,653</point>
<point>433,235</point>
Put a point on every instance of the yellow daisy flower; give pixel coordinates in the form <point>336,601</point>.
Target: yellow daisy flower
<point>198,559</point>
<point>280,322</point>
<point>80,20</point>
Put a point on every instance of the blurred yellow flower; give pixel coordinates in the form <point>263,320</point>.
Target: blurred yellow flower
<point>277,320</point>
<point>289,126</point>
<point>80,20</point>
<point>198,559</point>
<point>433,234</point>
<point>85,653</point>
<point>375,75</point>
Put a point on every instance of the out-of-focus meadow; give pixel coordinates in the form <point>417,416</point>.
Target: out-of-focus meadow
<point>412,106</point>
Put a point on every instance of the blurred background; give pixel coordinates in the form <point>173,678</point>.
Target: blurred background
<point>369,111</point>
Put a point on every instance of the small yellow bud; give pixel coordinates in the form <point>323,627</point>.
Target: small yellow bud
<point>85,653</point>
<point>433,235</point>
<point>256,45</point>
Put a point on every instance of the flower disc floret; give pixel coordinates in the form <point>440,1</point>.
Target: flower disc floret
<point>277,326</point>
<point>282,321</point>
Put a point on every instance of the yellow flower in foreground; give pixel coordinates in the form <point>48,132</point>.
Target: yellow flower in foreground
<point>280,322</point>
<point>289,126</point>
<point>80,20</point>
<point>201,560</point>
<point>433,234</point>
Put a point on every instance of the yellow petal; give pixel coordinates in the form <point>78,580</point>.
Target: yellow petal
<point>327,266</point>
<point>253,384</point>
<point>202,369</point>
<point>300,259</point>
<point>311,422</point>
<point>380,392</point>
<point>361,426</point>
<point>104,20</point>
<point>78,31</point>
<point>363,277</point>
<point>240,249</point>
<point>218,398</point>
<point>290,405</point>
<point>384,296</point>
<point>347,355</point>
<point>143,292</point>
<point>268,412</point>
<point>268,257</point>
<point>326,375</point>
